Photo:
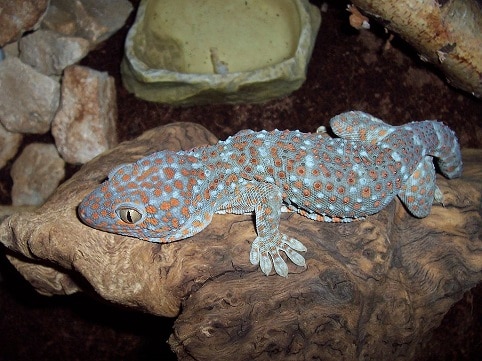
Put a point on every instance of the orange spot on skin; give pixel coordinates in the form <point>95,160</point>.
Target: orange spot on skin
<point>174,202</point>
<point>197,224</point>
<point>151,209</point>
<point>169,172</point>
<point>178,184</point>
<point>165,206</point>
<point>240,145</point>
<point>366,192</point>
<point>363,134</point>
<point>152,221</point>
<point>148,172</point>
<point>144,198</point>
<point>175,223</point>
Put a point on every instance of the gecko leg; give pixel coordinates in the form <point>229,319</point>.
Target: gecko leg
<point>420,189</point>
<point>266,200</point>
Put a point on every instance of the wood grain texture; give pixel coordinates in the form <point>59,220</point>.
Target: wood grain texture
<point>447,33</point>
<point>371,288</point>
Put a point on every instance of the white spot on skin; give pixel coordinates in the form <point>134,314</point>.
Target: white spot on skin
<point>396,157</point>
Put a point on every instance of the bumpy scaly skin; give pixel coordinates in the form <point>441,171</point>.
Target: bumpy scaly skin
<point>168,196</point>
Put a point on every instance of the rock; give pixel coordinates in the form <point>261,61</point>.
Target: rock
<point>9,144</point>
<point>28,99</point>
<point>93,20</point>
<point>85,124</point>
<point>19,16</point>
<point>11,50</point>
<point>36,174</point>
<point>50,53</point>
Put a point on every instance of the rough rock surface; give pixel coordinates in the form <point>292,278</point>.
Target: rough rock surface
<point>11,50</point>
<point>19,16</point>
<point>50,53</point>
<point>28,99</point>
<point>85,124</point>
<point>371,289</point>
<point>36,174</point>
<point>93,20</point>
<point>9,143</point>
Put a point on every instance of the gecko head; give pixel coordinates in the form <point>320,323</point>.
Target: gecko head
<point>150,199</point>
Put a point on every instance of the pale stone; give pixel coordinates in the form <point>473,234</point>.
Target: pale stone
<point>93,20</point>
<point>242,52</point>
<point>11,50</point>
<point>28,99</point>
<point>85,124</point>
<point>9,144</point>
<point>19,16</point>
<point>36,174</point>
<point>50,53</point>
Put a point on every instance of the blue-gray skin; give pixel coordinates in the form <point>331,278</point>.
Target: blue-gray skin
<point>169,196</point>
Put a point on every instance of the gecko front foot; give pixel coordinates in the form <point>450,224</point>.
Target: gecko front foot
<point>265,251</point>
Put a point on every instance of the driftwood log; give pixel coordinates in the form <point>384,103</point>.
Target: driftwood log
<point>371,290</point>
<point>446,33</point>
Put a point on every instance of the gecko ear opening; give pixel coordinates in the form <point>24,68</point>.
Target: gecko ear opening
<point>129,215</point>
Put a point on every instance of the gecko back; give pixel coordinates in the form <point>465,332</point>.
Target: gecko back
<point>417,143</point>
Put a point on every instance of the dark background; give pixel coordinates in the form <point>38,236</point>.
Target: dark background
<point>349,70</point>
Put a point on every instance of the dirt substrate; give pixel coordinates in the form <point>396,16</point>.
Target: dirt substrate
<point>349,70</point>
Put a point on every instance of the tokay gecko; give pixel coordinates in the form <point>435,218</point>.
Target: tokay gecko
<point>169,196</point>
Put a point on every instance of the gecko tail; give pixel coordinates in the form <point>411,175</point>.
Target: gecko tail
<point>441,143</point>
<point>435,138</point>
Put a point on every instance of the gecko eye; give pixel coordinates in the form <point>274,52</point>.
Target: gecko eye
<point>129,215</point>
